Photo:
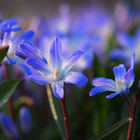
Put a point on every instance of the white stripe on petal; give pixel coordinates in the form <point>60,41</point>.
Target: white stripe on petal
<point>104,82</point>
<point>40,79</point>
<point>56,54</point>
<point>40,65</point>
<point>119,72</point>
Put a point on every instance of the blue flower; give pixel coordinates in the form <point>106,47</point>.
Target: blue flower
<point>123,81</point>
<point>7,27</point>
<point>55,71</point>
<point>25,120</point>
<point>9,127</point>
<point>13,45</point>
<point>128,45</point>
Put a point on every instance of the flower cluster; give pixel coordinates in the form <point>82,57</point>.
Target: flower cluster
<point>65,48</point>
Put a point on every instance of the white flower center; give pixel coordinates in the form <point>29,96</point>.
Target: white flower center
<point>57,75</point>
<point>119,84</point>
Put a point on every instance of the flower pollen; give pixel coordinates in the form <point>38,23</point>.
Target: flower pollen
<point>57,75</point>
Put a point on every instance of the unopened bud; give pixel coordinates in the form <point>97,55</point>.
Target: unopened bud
<point>25,120</point>
<point>9,127</point>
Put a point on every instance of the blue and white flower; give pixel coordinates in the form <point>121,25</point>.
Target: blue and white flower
<point>55,71</point>
<point>6,28</point>
<point>123,81</point>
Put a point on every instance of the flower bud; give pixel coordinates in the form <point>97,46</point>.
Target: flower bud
<point>9,127</point>
<point>25,120</point>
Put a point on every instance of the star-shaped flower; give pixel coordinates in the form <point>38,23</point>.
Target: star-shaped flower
<point>56,72</point>
<point>123,81</point>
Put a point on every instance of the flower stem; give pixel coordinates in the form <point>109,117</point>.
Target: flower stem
<point>77,111</point>
<point>10,103</point>
<point>132,118</point>
<point>129,106</point>
<point>66,119</point>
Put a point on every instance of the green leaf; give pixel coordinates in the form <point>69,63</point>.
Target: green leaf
<point>111,44</point>
<point>98,69</point>
<point>3,52</point>
<point>6,90</point>
<point>113,131</point>
<point>56,111</point>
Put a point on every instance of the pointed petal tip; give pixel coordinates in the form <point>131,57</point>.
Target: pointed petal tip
<point>91,93</point>
<point>78,52</point>
<point>133,60</point>
<point>56,39</point>
<point>107,97</point>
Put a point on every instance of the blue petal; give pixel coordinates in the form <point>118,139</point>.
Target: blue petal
<point>39,79</point>
<point>30,43</point>
<point>125,40</point>
<point>97,90</point>
<point>27,49</point>
<point>119,72</point>
<point>31,51</point>
<point>16,29</point>
<point>6,28</point>
<point>104,82</point>
<point>0,41</point>
<point>56,54</point>
<point>57,88</point>
<point>40,65</point>
<point>113,95</point>
<point>11,62</point>
<point>9,21</point>
<point>70,61</point>
<point>21,55</point>
<point>132,60</point>
<point>76,78</point>
<point>35,47</point>
<point>118,54</point>
<point>129,78</point>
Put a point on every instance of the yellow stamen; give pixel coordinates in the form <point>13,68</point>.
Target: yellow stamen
<point>56,72</point>
<point>57,75</point>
